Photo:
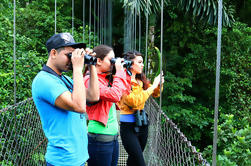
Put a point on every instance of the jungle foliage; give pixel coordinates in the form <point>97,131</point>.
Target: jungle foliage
<point>189,59</point>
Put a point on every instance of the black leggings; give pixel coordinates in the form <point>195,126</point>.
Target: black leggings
<point>134,143</point>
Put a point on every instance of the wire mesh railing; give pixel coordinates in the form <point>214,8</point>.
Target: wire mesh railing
<point>22,141</point>
<point>167,145</point>
<point>21,136</point>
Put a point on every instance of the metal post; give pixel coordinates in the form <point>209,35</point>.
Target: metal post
<point>217,83</point>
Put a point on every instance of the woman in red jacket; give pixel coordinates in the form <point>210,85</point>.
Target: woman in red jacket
<point>103,145</point>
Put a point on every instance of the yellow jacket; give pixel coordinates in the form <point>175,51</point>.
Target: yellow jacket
<point>137,98</point>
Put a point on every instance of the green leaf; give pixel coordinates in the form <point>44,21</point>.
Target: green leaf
<point>188,5</point>
<point>194,3</point>
<point>215,9</point>
<point>199,10</point>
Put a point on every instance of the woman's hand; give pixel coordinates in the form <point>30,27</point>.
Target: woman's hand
<point>90,52</point>
<point>157,79</point>
<point>118,64</point>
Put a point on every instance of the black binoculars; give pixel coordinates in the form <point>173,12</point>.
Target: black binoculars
<point>89,60</point>
<point>141,118</point>
<point>126,63</point>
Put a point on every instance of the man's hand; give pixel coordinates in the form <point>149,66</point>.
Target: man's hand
<point>78,59</point>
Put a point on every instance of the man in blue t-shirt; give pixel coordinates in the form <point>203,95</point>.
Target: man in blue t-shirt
<point>61,101</point>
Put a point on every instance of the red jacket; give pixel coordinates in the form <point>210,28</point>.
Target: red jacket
<point>108,95</point>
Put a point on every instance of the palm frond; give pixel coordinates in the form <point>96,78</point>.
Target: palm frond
<point>206,10</point>
<point>153,6</point>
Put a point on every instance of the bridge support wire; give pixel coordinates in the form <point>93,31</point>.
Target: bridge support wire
<point>217,82</point>
<point>55,17</point>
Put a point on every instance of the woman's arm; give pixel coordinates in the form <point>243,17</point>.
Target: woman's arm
<point>119,87</point>
<point>138,96</point>
<point>92,92</point>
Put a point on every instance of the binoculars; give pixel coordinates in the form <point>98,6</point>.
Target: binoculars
<point>125,63</point>
<point>89,60</point>
<point>141,118</point>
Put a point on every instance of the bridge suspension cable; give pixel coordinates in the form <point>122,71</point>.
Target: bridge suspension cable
<point>161,51</point>
<point>14,52</point>
<point>83,21</point>
<point>139,31</point>
<point>90,21</point>
<point>217,82</point>
<point>55,17</point>
<point>72,18</point>
<point>146,49</point>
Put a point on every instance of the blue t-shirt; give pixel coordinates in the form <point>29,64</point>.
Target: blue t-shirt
<point>65,130</point>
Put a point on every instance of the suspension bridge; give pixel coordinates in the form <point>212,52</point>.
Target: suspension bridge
<point>24,143</point>
<point>167,145</point>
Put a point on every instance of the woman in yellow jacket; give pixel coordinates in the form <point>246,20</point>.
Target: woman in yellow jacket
<point>133,119</point>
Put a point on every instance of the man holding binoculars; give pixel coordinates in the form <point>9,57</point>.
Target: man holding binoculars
<point>61,101</point>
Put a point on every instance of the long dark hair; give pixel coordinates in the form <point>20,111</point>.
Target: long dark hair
<point>131,55</point>
<point>101,52</point>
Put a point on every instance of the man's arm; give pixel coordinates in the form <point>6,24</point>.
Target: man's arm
<point>75,101</point>
<point>92,92</point>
